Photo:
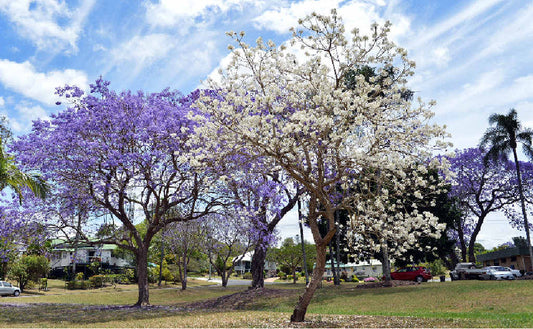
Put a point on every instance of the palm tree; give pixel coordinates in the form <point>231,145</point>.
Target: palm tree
<point>16,179</point>
<point>504,138</point>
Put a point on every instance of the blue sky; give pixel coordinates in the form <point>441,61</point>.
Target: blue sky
<point>473,57</point>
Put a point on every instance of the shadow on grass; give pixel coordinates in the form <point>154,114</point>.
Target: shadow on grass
<point>76,314</point>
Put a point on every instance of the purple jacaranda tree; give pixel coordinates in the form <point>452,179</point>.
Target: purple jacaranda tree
<point>266,195</point>
<point>17,232</point>
<point>481,187</point>
<point>127,153</point>
<point>184,239</point>
<point>226,244</point>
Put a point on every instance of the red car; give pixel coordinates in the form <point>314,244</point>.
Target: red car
<point>412,273</point>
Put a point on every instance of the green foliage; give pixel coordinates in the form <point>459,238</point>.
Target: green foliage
<point>95,267</point>
<point>128,276</point>
<point>78,284</point>
<point>29,268</point>
<point>43,284</point>
<point>436,267</point>
<point>97,281</point>
<point>355,278</point>
<point>282,275</point>
<point>247,276</point>
<point>19,273</point>
<point>80,276</point>
<point>520,242</point>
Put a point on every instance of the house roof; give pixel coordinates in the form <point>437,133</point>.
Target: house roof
<point>504,253</point>
<point>373,262</point>
<point>62,245</point>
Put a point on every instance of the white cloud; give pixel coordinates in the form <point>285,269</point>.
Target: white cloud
<point>449,26</point>
<point>168,13</point>
<point>23,79</point>
<point>142,51</point>
<point>2,101</point>
<point>39,21</point>
<point>517,30</point>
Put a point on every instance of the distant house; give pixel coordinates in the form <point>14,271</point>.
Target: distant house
<point>64,255</point>
<point>245,265</point>
<point>516,257</point>
<point>361,270</point>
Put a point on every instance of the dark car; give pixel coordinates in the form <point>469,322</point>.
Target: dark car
<point>412,273</point>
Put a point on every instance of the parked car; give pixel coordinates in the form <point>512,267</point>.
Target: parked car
<point>466,271</point>
<point>7,289</point>
<point>497,273</point>
<point>412,273</point>
<point>516,273</point>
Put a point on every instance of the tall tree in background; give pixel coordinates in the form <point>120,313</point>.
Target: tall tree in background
<point>503,139</point>
<point>480,188</point>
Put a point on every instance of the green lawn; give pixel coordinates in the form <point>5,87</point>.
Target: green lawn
<point>449,304</point>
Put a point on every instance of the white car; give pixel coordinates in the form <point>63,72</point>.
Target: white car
<point>7,289</point>
<point>496,273</point>
<point>516,273</point>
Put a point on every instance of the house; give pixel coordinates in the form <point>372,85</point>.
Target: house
<point>361,269</point>
<point>515,257</point>
<point>64,255</point>
<point>245,265</point>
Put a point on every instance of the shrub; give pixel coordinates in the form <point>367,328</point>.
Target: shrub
<point>79,276</point>
<point>247,276</point>
<point>282,275</point>
<point>97,281</point>
<point>289,277</point>
<point>355,278</point>
<point>43,284</point>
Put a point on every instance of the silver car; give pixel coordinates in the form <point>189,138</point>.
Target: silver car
<point>497,273</point>
<point>7,289</point>
<point>516,273</point>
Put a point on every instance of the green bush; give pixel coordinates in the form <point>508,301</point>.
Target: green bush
<point>79,276</point>
<point>43,284</point>
<point>289,277</point>
<point>355,278</point>
<point>97,281</point>
<point>247,276</point>
<point>282,275</point>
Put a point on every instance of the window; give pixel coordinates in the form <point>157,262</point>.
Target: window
<point>503,260</point>
<point>513,259</point>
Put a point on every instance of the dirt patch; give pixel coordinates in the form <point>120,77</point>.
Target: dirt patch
<point>240,300</point>
<point>381,284</point>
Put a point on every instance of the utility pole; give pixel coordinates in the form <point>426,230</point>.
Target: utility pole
<point>300,222</point>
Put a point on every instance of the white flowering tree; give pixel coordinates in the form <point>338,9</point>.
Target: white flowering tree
<point>389,215</point>
<point>292,107</point>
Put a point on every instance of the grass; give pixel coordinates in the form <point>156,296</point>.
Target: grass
<point>449,304</point>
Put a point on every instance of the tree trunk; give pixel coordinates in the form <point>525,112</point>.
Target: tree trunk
<point>337,247</point>
<point>294,277</point>
<point>333,269</point>
<point>258,266</point>
<point>523,205</point>
<point>302,242</point>
<point>225,280</point>
<point>298,314</point>
<point>462,242</point>
<point>471,256</point>
<point>184,272</point>
<point>142,276</point>
<point>386,263</point>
